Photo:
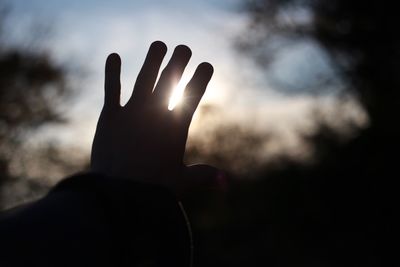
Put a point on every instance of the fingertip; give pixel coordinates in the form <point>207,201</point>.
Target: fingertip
<point>113,63</point>
<point>114,58</point>
<point>159,46</point>
<point>206,67</point>
<point>183,50</point>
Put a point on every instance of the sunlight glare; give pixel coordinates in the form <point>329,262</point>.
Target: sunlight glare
<point>177,95</point>
<point>215,93</point>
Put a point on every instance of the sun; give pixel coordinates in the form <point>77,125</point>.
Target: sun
<point>177,95</point>
<point>211,96</point>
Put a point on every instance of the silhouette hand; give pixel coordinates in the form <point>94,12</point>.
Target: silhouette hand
<point>143,140</point>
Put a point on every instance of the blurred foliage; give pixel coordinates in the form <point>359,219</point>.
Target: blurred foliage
<point>339,209</point>
<point>230,146</point>
<point>32,87</point>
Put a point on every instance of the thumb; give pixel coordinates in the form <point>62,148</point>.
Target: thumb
<point>205,177</point>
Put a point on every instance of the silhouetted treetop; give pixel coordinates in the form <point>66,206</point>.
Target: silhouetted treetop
<point>361,37</point>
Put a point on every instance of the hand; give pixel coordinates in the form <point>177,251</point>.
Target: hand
<point>143,140</point>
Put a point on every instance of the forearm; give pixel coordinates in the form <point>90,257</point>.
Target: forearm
<point>93,220</point>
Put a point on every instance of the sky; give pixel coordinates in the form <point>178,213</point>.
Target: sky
<point>83,33</point>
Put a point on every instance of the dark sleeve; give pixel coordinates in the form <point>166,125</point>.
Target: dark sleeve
<point>92,220</point>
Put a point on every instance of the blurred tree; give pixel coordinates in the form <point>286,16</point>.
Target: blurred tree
<point>31,88</point>
<point>358,36</point>
<point>338,211</point>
